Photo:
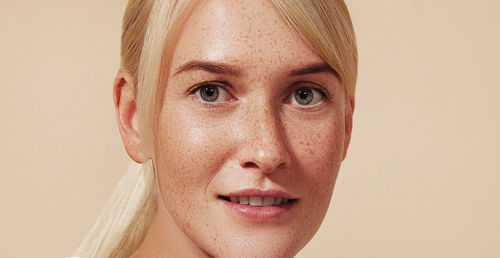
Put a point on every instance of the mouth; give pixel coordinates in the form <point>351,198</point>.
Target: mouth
<point>257,201</point>
<point>259,206</point>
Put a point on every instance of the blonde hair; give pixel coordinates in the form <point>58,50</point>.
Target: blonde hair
<point>147,24</point>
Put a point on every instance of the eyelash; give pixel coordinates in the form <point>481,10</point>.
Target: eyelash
<point>309,85</point>
<point>298,85</point>
<point>218,84</point>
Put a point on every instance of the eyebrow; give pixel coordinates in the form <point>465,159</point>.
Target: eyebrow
<point>314,68</point>
<point>209,66</point>
<point>227,69</point>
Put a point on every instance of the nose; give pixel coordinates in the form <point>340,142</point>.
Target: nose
<point>264,145</point>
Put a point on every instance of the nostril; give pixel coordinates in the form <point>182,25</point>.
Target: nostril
<point>250,165</point>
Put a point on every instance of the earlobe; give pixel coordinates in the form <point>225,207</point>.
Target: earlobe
<point>349,110</point>
<point>126,114</point>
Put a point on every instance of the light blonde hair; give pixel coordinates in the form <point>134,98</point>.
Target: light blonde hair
<point>325,25</point>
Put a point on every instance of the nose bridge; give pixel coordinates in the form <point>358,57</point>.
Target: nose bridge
<point>264,143</point>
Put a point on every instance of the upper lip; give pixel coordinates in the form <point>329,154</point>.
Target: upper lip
<point>260,193</point>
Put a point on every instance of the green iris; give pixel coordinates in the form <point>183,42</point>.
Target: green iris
<point>304,96</point>
<point>209,93</point>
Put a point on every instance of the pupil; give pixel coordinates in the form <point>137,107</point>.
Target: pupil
<point>210,92</point>
<point>303,94</point>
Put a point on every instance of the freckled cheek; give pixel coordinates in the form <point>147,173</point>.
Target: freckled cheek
<point>319,152</point>
<point>187,151</point>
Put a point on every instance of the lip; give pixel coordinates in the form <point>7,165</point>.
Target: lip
<point>259,213</point>
<point>261,193</point>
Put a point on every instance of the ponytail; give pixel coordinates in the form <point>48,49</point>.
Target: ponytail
<point>124,222</point>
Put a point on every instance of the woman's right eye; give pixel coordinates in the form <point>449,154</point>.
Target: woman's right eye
<point>211,93</point>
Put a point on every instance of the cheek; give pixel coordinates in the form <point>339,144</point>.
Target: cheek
<point>187,149</point>
<point>318,153</point>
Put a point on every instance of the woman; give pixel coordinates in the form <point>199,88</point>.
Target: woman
<point>240,116</point>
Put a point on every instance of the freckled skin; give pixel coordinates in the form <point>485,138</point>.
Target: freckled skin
<point>201,152</point>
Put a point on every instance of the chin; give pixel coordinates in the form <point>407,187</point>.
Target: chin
<point>278,245</point>
<point>237,235</point>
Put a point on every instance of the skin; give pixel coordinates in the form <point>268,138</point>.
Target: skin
<point>255,136</point>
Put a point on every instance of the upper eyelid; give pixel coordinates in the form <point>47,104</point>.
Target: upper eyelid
<point>315,86</point>
<point>220,84</point>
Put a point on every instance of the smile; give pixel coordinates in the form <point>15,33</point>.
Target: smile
<point>257,201</point>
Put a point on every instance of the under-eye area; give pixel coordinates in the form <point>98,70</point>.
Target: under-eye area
<point>258,201</point>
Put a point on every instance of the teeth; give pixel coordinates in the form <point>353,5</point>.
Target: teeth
<point>243,199</point>
<point>255,201</point>
<point>258,201</point>
<point>268,201</point>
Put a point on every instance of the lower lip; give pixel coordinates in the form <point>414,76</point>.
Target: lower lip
<point>259,213</point>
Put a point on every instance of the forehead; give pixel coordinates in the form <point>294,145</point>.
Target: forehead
<point>250,34</point>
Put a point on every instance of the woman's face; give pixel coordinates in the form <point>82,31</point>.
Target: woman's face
<point>251,133</point>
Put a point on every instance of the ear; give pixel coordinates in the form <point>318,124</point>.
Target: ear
<point>349,110</point>
<point>126,114</point>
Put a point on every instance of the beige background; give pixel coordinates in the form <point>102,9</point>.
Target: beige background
<point>421,178</point>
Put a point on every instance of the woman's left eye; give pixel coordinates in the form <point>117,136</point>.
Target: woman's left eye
<point>211,93</point>
<point>306,96</point>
